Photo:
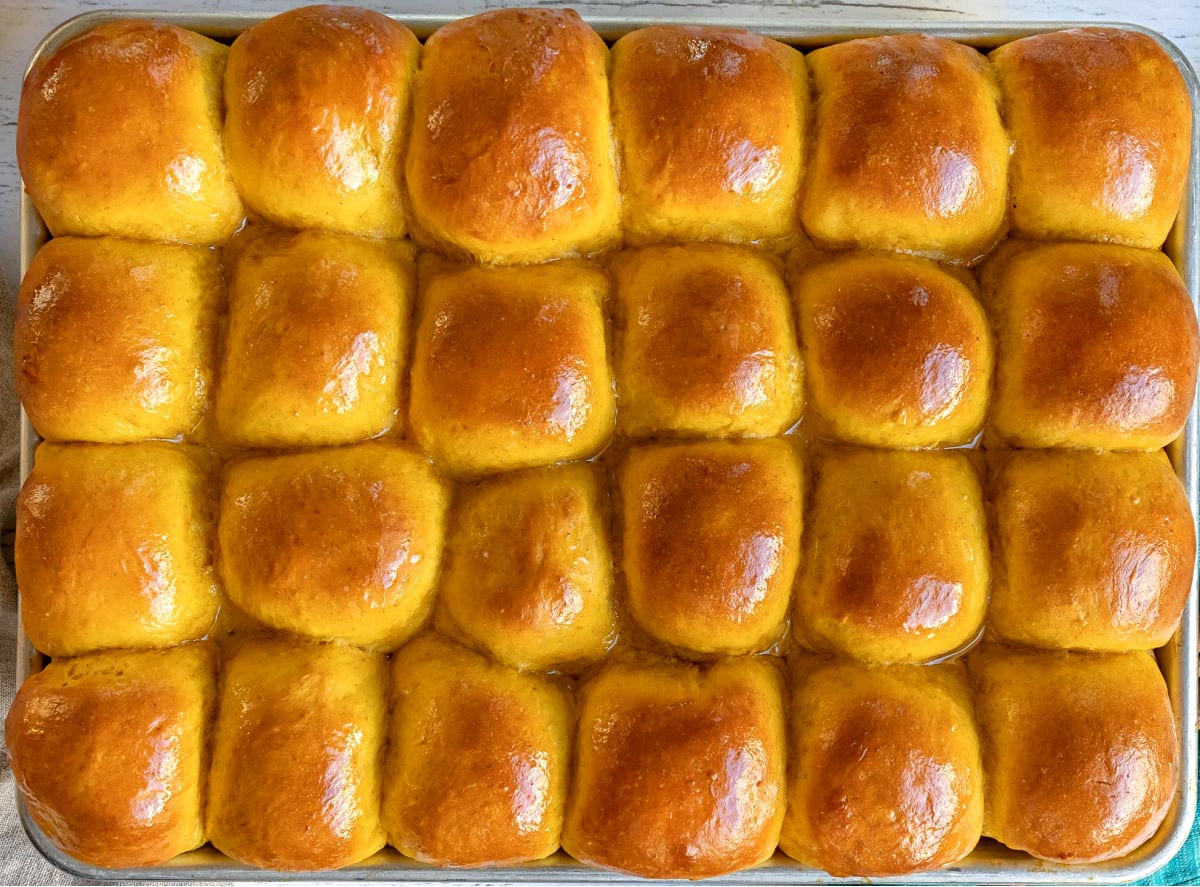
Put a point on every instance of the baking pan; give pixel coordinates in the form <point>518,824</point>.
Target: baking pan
<point>990,863</point>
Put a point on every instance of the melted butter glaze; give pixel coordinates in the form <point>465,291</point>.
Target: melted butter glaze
<point>318,100</point>
<point>334,544</point>
<point>119,133</point>
<point>1094,550</point>
<point>295,783</point>
<point>477,762</point>
<point>1099,346</point>
<point>711,542</point>
<point>109,753</point>
<point>1080,749</point>
<point>680,772</point>
<point>888,779</point>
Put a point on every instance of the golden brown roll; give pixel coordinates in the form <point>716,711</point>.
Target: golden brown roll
<point>886,776</point>
<point>1080,751</point>
<point>114,547</point>
<point>1096,346</point>
<point>334,544</point>
<point>296,782</point>
<point>317,103</point>
<point>119,133</point>
<point>1092,550</point>
<point>318,333</point>
<point>529,570</point>
<point>511,156</point>
<point>896,558</point>
<point>110,752</point>
<point>712,542</point>
<point>705,344</point>
<point>477,761</point>
<point>679,768</point>
<point>1101,127</point>
<point>510,368</point>
<point>115,340</point>
<point>908,151</point>
<point>897,351</point>
<point>710,123</point>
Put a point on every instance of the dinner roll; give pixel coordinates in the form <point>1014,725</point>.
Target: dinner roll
<point>679,768</point>
<point>704,343</point>
<point>115,340</point>
<point>897,351</point>
<point>477,761</point>
<point>896,557</point>
<point>334,544</point>
<point>1101,127</point>
<point>510,368</point>
<point>529,568</point>
<point>886,777</point>
<point>1080,751</point>
<point>114,547</point>
<point>710,123</point>
<point>1096,346</point>
<point>318,333</point>
<point>908,151</point>
<point>317,103</point>
<point>119,133</point>
<point>295,782</point>
<point>712,542</point>
<point>511,155</point>
<point>110,753</point>
<point>1092,550</point>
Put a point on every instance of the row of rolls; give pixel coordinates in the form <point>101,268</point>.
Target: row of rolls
<point>310,756</point>
<point>517,136</point>
<point>300,339</point>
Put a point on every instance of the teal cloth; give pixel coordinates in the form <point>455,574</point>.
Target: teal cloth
<point>1185,867</point>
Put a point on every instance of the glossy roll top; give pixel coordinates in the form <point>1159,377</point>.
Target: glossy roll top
<point>1101,123</point>
<point>295,782</point>
<point>110,752</point>
<point>1092,551</point>
<point>477,761</point>
<point>679,769</point>
<point>896,556</point>
<point>317,111</point>
<point>318,333</point>
<point>114,547</point>
<point>711,543</point>
<point>1096,346</point>
<point>115,341</point>
<point>342,544</point>
<point>511,156</point>
<point>711,126</point>
<point>1080,751</point>
<point>908,151</point>
<point>704,344</point>
<point>887,778</point>
<point>119,133</point>
<point>511,366</point>
<point>529,569</point>
<point>897,351</point>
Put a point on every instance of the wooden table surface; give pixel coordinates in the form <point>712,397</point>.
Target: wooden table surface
<point>24,22</point>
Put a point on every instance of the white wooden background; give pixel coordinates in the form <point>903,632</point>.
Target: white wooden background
<point>24,22</point>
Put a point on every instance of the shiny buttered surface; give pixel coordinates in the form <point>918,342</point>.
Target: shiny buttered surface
<point>665,552</point>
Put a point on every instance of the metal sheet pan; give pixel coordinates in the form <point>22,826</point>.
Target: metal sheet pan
<point>991,863</point>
